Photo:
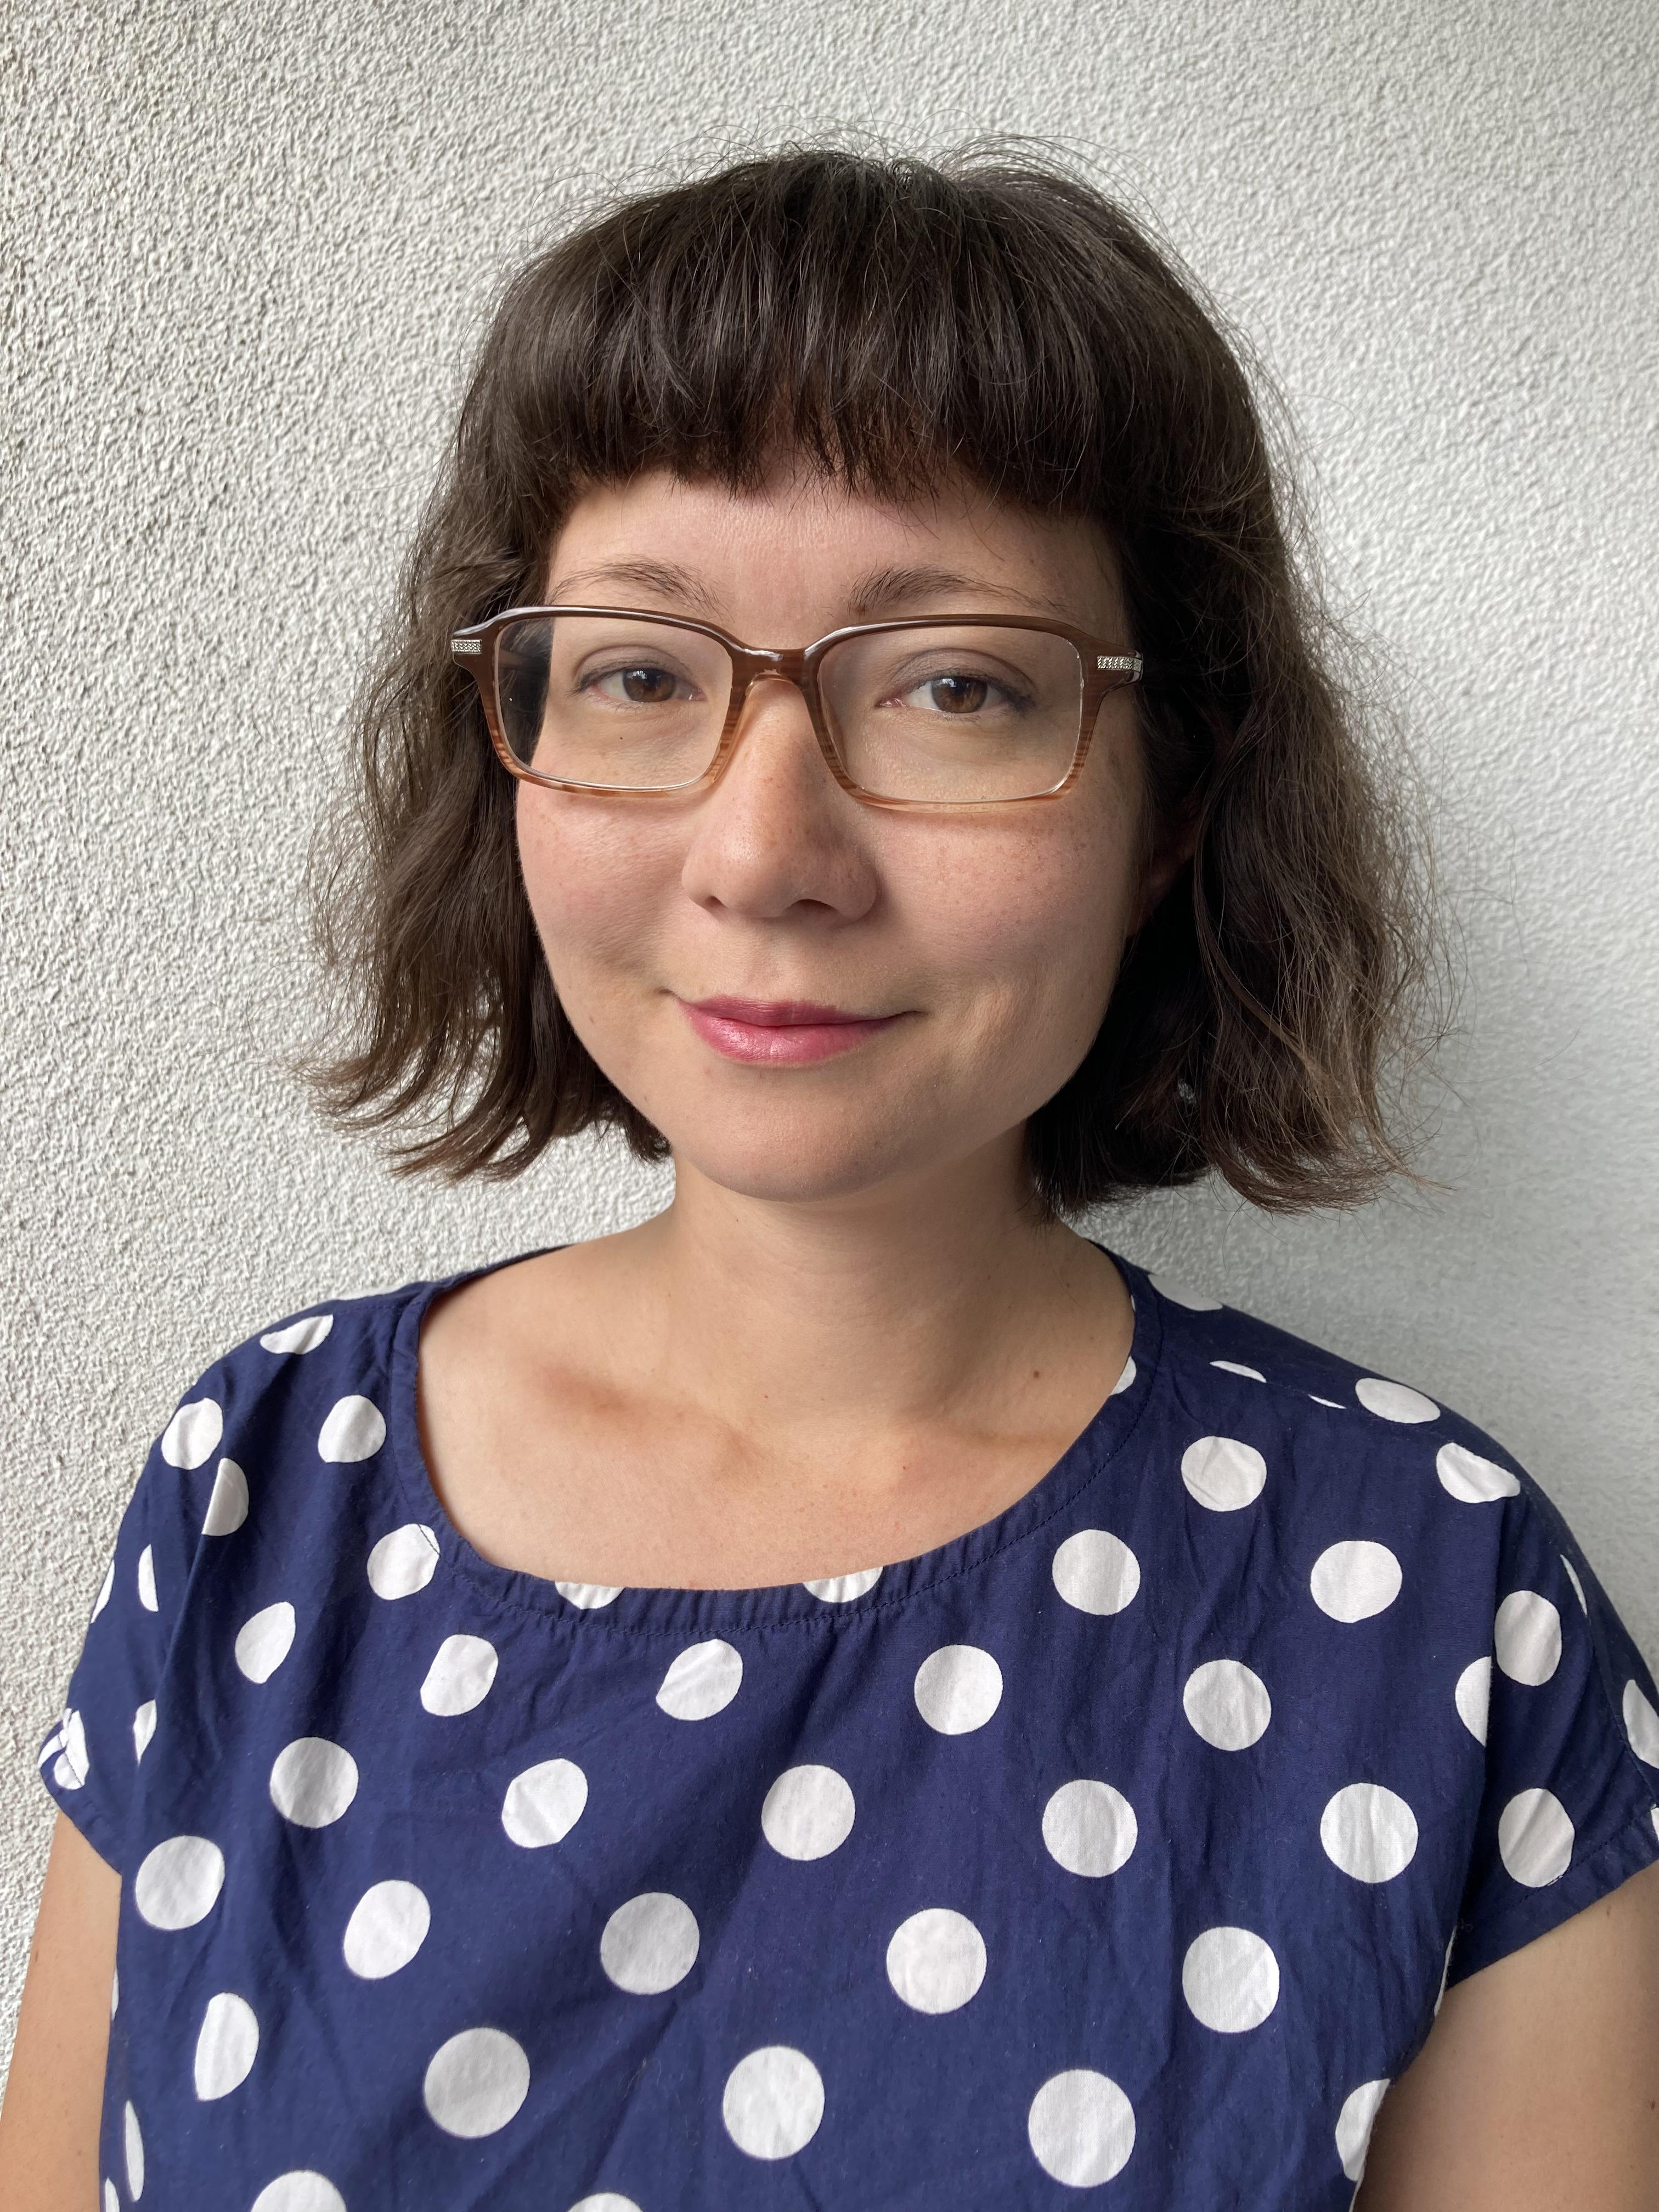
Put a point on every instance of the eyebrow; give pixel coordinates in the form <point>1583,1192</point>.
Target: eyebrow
<point>879,591</point>
<point>664,580</point>
<point>884,589</point>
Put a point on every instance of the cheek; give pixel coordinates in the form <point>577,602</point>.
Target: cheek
<point>1027,923</point>
<point>590,877</point>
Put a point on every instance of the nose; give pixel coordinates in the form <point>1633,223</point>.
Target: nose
<point>777,833</point>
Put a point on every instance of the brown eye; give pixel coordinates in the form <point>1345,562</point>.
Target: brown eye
<point>647,687</point>
<point>959,695</point>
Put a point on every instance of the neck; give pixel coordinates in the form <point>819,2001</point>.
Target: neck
<point>945,1296</point>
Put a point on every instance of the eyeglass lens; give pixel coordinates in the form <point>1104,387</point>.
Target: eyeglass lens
<point>954,712</point>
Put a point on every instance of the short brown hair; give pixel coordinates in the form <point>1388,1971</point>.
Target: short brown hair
<point>883,318</point>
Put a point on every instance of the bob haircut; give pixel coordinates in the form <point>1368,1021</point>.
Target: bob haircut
<point>883,320</point>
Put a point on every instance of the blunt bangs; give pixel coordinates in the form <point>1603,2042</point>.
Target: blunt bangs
<point>886,322</point>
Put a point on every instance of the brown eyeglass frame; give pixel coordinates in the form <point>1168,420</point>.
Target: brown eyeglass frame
<point>1105,670</point>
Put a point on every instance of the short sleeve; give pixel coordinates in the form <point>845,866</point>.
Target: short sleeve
<point>1570,1716</point>
<point>90,1756</point>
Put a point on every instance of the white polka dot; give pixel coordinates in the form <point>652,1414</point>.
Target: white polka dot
<point>1354,2124</point>
<point>97,1605</point>
<point>1227,1703</point>
<point>312,1781</point>
<point>1179,1295</point>
<point>355,1430</point>
<point>606,2201</point>
<point>300,1335</point>
<point>1577,1587</point>
<point>228,1507</point>
<point>147,1579</point>
<point>1445,1971</point>
<point>808,1812</point>
<point>74,1763</point>
<point>649,1944</point>
<point>1223,1474</point>
<point>179,1882</point>
<point>1641,1724</point>
<point>1082,2127</point>
<point>134,2147</point>
<point>841,1590</point>
<point>1352,1581</point>
<point>1233,1367</point>
<point>112,2200</point>
<point>387,1927</point>
<point>1230,1979</point>
<point>774,2102</point>
<point>701,1681</point>
<point>404,1562</point>
<point>193,1433</point>
<point>543,1803</point>
<point>463,1667</point>
<point>1090,1828</point>
<point>1394,1401</point>
<point>1470,1479</point>
<point>143,1727</point>
<point>227,2046</point>
<point>1368,1832</point>
<point>588,1596</point>
<point>264,1640</point>
<point>115,1991</point>
<point>1126,1381</point>
<point>1526,1638</point>
<point>1534,1838</point>
<point>1473,1697</point>
<point>1655,1821</point>
<point>476,2081</point>
<point>1335,1404</point>
<point>936,1961</point>
<point>957,1688</point>
<point>302,2191</point>
<point>1096,1572</point>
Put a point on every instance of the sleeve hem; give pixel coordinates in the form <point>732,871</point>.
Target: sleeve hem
<point>1635,1846</point>
<point>89,1818</point>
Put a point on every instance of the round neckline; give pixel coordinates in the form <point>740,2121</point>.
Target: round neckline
<point>670,1609</point>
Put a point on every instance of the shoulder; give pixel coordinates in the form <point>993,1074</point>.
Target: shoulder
<point>287,1367</point>
<point>328,1385</point>
<point>1410,1541</point>
<point>1331,1417</point>
<point>1388,1505</point>
<point>227,1530</point>
<point>1398,1564</point>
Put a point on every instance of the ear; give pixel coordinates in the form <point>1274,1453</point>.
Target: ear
<point>1171,857</point>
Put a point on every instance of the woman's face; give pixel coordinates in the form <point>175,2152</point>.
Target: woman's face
<point>980,942</point>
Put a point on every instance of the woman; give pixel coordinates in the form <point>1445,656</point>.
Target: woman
<point>851,1693</point>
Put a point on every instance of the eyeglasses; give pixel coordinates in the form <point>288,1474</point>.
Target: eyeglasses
<point>936,710</point>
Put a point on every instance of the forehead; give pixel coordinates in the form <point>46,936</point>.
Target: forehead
<point>805,540</point>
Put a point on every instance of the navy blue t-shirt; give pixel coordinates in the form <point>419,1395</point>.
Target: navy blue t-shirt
<point>1118,1851</point>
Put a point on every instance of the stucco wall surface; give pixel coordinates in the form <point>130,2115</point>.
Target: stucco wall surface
<point>247,253</point>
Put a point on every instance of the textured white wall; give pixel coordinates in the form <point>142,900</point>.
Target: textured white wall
<point>247,252</point>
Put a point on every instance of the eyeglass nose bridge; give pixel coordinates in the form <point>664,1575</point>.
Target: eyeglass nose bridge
<point>776,665</point>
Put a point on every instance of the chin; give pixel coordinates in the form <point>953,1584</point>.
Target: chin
<point>797,1151</point>
<point>793,1153</point>
<point>794,1170</point>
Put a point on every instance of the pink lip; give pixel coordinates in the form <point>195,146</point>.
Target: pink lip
<point>782,1032</point>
